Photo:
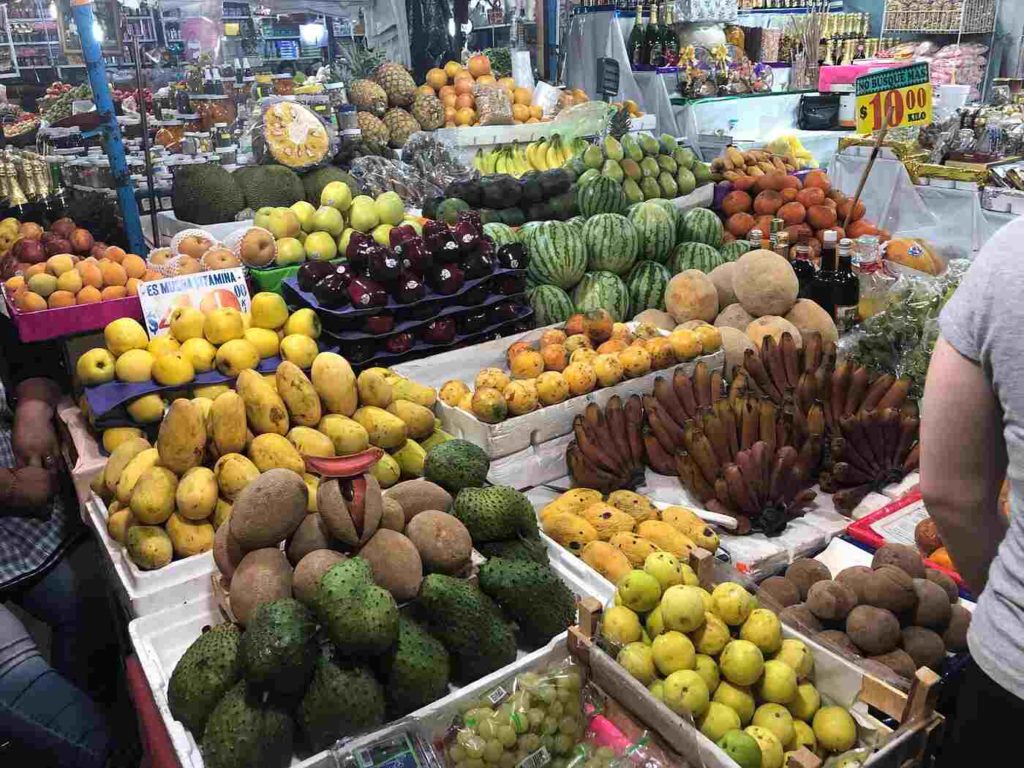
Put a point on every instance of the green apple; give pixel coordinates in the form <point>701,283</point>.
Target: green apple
<point>329,220</point>
<point>390,208</point>
<point>362,216</point>
<point>343,239</point>
<point>337,195</point>
<point>289,251</point>
<point>262,217</point>
<point>414,222</point>
<point>305,212</point>
<point>320,246</point>
<point>380,233</point>
<point>282,223</point>
<point>742,748</point>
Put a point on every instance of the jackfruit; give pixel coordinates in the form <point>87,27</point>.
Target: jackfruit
<point>269,186</point>
<point>205,194</point>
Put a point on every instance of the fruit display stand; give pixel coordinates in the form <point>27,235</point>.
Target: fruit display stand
<point>526,450</point>
<point>168,225</point>
<point>161,638</point>
<point>59,322</point>
<point>146,592</point>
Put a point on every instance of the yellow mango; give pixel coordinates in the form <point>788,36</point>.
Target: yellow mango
<point>309,442</point>
<point>693,527</point>
<point>385,430</point>
<point>299,395</point>
<point>196,497</point>
<point>607,560</point>
<point>226,424</point>
<point>335,382</point>
<point>571,531</point>
<point>419,421</point>
<point>271,451</point>
<point>189,537</point>
<point>133,470</point>
<point>638,507</point>
<point>233,472</point>
<point>634,547</point>
<point>119,459</point>
<point>182,437</point>
<point>407,389</point>
<point>265,411</point>
<point>607,520</point>
<point>347,435</point>
<point>667,537</point>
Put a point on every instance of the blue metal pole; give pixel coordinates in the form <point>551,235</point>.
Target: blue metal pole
<point>81,11</point>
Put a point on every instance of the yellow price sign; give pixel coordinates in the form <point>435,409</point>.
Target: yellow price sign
<point>904,95</point>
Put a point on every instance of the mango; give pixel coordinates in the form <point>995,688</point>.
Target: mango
<point>634,547</point>
<point>149,547</point>
<point>419,421</point>
<point>233,472</point>
<point>667,537</point>
<point>226,424</point>
<point>119,458</point>
<point>189,537</point>
<point>638,507</point>
<point>152,498</point>
<point>312,485</point>
<point>182,437</point>
<point>335,382</point>
<point>385,430</point>
<point>571,531</point>
<point>265,411</point>
<point>606,560</point>
<point>309,442</point>
<point>414,392</point>
<point>347,435</point>
<point>271,451</point>
<point>573,501</point>
<point>133,470</point>
<point>374,388</point>
<point>114,436</point>
<point>607,520</point>
<point>693,527</point>
<point>410,458</point>
<point>196,497</point>
<point>118,524</point>
<point>298,394</point>
<point>387,471</point>
<point>221,514</point>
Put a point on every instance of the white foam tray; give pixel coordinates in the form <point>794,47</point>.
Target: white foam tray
<point>145,592</point>
<point>161,638</point>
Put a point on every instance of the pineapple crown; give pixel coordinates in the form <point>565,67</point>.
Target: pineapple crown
<point>618,126</point>
<point>360,62</point>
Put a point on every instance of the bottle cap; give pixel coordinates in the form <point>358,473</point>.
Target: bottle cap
<point>830,236</point>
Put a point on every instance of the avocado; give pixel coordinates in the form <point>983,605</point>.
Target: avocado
<point>649,186</point>
<point>668,185</point>
<point>650,168</point>
<point>667,164</point>
<point>633,192</point>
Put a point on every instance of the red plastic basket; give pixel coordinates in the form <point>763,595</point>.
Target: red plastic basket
<point>69,321</point>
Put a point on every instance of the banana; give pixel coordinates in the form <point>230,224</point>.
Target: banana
<point>738,490</point>
<point>749,425</point>
<point>896,395</point>
<point>840,386</point>
<point>858,388</point>
<point>756,368</point>
<point>634,412</point>
<point>702,384</point>
<point>553,159</point>
<point>615,416</point>
<point>715,430</point>
<point>877,390</point>
<point>790,362</point>
<point>771,356</point>
<point>684,393</point>
<point>541,156</point>
<point>659,459</point>
<point>812,350</point>
<point>665,394</point>
<point>725,414</point>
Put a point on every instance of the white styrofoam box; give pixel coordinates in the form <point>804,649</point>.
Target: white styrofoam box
<point>145,592</point>
<point>160,639</point>
<point>170,225</point>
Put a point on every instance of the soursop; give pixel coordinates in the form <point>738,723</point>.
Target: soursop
<point>338,703</point>
<point>416,671</point>
<point>495,513</point>
<point>209,667</point>
<point>515,549</point>
<point>532,595</point>
<point>360,618</point>
<point>279,646</point>
<point>456,464</point>
<point>244,732</point>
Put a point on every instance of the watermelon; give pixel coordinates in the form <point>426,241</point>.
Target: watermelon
<point>699,225</point>
<point>603,290</point>
<point>550,305</point>
<point>557,255</point>
<point>578,222</point>
<point>735,249</point>
<point>612,243</point>
<point>647,282</point>
<point>525,230</point>
<point>656,229</point>
<point>602,195</point>
<point>694,256</point>
<point>501,234</point>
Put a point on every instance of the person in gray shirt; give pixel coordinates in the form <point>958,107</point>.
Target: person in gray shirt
<point>972,436</point>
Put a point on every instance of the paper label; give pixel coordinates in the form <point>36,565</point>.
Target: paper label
<point>903,94</point>
<point>538,759</point>
<point>206,291</point>
<point>898,527</point>
<point>389,752</point>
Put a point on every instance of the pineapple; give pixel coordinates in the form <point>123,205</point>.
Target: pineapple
<point>401,125</point>
<point>363,92</point>
<point>372,128</point>
<point>428,111</point>
<point>396,82</point>
<point>619,124</point>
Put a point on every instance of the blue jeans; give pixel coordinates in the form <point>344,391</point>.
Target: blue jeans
<point>47,714</point>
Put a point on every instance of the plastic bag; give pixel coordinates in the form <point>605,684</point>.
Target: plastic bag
<point>377,174</point>
<point>434,159</point>
<point>493,104</point>
<point>290,134</point>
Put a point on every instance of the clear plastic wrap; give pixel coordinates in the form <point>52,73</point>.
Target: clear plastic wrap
<point>377,174</point>
<point>286,133</point>
<point>434,159</point>
<point>493,104</point>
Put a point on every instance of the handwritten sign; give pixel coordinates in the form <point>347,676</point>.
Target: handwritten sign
<point>904,93</point>
<point>205,291</point>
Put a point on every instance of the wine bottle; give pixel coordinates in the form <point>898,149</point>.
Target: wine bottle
<point>846,292</point>
<point>652,40</point>
<point>804,269</point>
<point>669,38</point>
<point>635,43</point>
<point>824,285</point>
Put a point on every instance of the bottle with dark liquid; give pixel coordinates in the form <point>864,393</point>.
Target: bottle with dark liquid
<point>824,284</point>
<point>652,40</point>
<point>847,288</point>
<point>57,202</point>
<point>804,269</point>
<point>669,38</point>
<point>635,43</point>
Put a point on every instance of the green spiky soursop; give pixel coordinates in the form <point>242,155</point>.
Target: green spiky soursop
<point>338,703</point>
<point>495,513</point>
<point>457,464</point>
<point>279,647</point>
<point>416,671</point>
<point>515,549</point>
<point>360,618</point>
<point>469,624</point>
<point>209,667</point>
<point>531,594</point>
<point>244,732</point>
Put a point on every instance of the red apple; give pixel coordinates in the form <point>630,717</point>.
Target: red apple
<point>55,246</point>
<point>29,250</point>
<point>81,240</point>
<point>30,231</point>
<point>63,227</point>
<point>98,250</point>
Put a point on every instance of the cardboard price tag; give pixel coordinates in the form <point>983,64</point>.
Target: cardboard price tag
<point>904,94</point>
<point>206,291</point>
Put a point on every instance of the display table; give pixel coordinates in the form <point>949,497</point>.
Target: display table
<point>749,119</point>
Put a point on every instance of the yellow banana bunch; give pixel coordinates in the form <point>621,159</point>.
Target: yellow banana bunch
<point>517,159</point>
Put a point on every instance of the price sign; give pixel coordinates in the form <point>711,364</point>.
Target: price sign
<point>903,94</point>
<point>206,291</point>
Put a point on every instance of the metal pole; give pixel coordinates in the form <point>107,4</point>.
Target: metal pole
<point>144,125</point>
<point>81,11</point>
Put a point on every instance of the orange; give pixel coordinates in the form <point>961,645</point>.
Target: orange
<point>449,114</point>
<point>464,116</point>
<point>88,295</point>
<point>14,283</point>
<point>537,111</point>
<point>61,299</point>
<point>449,98</point>
<point>464,85</point>
<point>35,269</point>
<point>427,89</point>
<point>114,253</point>
<point>631,106</point>
<point>445,91</point>
<point>113,292</point>
<point>523,96</point>
<point>134,265</point>
<point>113,273</point>
<point>437,78</point>
<point>132,286</point>
<point>507,82</point>
<point>520,112</point>
<point>91,274</point>
<point>452,68</point>
<point>151,274</point>
<point>580,96</point>
<point>465,101</point>
<point>31,302</point>
<point>479,65</point>
<point>486,79</point>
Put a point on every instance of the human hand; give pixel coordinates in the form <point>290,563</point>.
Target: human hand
<point>32,490</point>
<point>34,438</point>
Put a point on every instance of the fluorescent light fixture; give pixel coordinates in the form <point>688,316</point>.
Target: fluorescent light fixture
<point>313,35</point>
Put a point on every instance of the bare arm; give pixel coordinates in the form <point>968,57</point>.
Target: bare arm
<point>963,461</point>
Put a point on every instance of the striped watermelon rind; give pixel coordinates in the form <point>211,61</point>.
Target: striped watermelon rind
<point>557,255</point>
<point>647,282</point>
<point>735,249</point>
<point>700,225</point>
<point>656,229</point>
<point>603,290</point>
<point>612,243</point>
<point>526,231</point>
<point>550,305</point>
<point>602,195</point>
<point>670,208</point>
<point>694,256</point>
<point>501,234</point>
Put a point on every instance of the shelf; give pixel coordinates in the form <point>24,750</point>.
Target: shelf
<point>41,42</point>
<point>236,18</point>
<point>281,37</point>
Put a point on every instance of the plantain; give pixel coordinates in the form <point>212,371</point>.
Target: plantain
<point>739,492</point>
<point>715,431</point>
<point>896,395</point>
<point>659,459</point>
<point>662,435</point>
<point>715,387</point>
<point>877,389</point>
<point>586,475</point>
<point>738,385</point>
<point>751,472</point>
<point>684,392</point>
<point>749,427</point>
<point>702,384</point>
<point>812,350</point>
<point>809,457</point>
<point>816,420</point>
<point>857,390</point>
<point>853,431</point>
<point>766,423</point>
<point>728,419</point>
<point>840,386</point>
<point>634,411</point>
<point>848,474</point>
<point>771,356</point>
<point>755,367</point>
<point>911,462</point>
<point>847,499</point>
<point>785,461</point>
<point>704,457</point>
<point>907,436</point>
<point>616,419</point>
<point>692,477</point>
<point>790,360</point>
<point>592,449</point>
<point>665,394</point>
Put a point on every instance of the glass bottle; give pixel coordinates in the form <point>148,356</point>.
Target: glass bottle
<point>635,44</point>
<point>847,288</point>
<point>875,280</point>
<point>777,226</point>
<point>652,43</point>
<point>754,237</point>
<point>782,246</point>
<point>823,285</point>
<point>670,39</point>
